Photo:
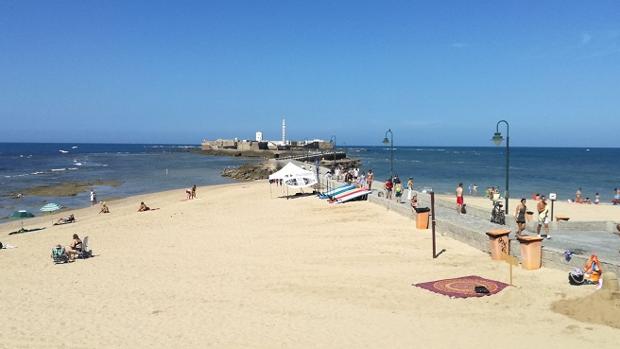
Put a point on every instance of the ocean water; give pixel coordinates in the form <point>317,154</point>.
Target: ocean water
<point>145,168</point>
<point>532,170</point>
<point>141,168</point>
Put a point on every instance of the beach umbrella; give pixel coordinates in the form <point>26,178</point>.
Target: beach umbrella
<point>21,214</point>
<point>51,207</point>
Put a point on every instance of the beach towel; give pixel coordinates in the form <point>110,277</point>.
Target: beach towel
<point>463,287</point>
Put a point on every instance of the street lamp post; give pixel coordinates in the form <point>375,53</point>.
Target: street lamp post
<point>497,139</point>
<point>332,140</point>
<point>391,143</point>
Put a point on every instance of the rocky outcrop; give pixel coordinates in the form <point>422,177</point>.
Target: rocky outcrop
<point>249,171</point>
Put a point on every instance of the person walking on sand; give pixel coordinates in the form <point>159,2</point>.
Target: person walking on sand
<point>459,198</point>
<point>194,191</point>
<point>520,216</point>
<point>543,217</point>
<point>410,188</point>
<point>369,178</point>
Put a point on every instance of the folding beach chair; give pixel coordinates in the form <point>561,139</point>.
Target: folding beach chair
<point>59,255</point>
<point>86,252</point>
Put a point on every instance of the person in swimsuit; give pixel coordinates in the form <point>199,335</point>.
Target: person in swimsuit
<point>459,198</point>
<point>520,216</point>
<point>414,203</point>
<point>410,188</point>
<point>543,217</point>
<point>578,198</point>
<point>194,191</point>
<point>143,207</point>
<point>74,248</point>
<point>104,208</point>
<point>369,178</point>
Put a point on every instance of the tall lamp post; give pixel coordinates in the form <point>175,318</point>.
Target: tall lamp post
<point>332,140</point>
<point>497,139</point>
<point>391,143</point>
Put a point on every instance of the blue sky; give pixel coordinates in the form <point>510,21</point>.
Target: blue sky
<point>437,73</point>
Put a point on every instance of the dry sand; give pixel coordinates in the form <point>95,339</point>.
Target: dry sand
<point>236,269</point>
<point>576,212</point>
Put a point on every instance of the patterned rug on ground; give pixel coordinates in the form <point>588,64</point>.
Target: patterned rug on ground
<point>463,287</point>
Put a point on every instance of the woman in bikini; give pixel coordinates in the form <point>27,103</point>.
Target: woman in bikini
<point>74,248</point>
<point>520,216</point>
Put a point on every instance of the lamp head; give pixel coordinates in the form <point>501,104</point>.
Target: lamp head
<point>497,138</point>
<point>386,140</point>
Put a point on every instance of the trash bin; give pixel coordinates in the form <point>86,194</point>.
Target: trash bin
<point>531,252</point>
<point>529,216</point>
<point>499,243</point>
<point>421,217</point>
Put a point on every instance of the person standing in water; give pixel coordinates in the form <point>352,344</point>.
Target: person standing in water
<point>459,198</point>
<point>93,197</point>
<point>520,216</point>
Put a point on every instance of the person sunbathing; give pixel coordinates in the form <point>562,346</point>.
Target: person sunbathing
<point>143,207</point>
<point>75,248</point>
<point>67,220</point>
<point>104,208</point>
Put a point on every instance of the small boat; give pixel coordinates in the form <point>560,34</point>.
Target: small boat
<point>63,151</point>
<point>74,147</point>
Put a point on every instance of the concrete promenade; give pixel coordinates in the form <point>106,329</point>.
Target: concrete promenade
<point>583,238</point>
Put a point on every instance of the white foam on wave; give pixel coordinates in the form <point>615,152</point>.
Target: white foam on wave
<point>73,168</point>
<point>58,169</point>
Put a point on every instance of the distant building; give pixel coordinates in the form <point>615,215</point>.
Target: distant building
<point>260,144</point>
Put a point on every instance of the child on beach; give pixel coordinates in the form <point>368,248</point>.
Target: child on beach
<point>597,199</point>
<point>398,191</point>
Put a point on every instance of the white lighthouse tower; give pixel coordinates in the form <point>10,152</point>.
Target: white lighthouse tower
<point>283,131</point>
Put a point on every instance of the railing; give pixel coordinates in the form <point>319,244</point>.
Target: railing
<point>319,155</point>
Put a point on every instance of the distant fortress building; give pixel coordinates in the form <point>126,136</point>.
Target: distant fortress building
<point>260,144</point>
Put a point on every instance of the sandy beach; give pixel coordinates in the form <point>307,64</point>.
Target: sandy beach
<point>238,269</point>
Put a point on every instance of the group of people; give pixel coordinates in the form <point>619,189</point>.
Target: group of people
<point>580,200</point>
<point>395,185</point>
<point>543,217</point>
<point>69,252</point>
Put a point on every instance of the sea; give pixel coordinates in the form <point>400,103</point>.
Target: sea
<point>147,168</point>
<point>139,168</point>
<point>532,170</point>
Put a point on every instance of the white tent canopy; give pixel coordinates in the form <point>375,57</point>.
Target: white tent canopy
<point>289,171</point>
<point>294,176</point>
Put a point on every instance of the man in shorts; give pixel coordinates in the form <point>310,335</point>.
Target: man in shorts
<point>459,198</point>
<point>543,217</point>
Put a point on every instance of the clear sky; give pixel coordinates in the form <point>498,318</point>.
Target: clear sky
<point>436,72</point>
